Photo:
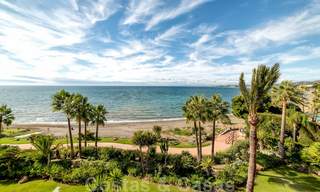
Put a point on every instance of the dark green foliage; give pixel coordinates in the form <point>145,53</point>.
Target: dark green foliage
<point>239,150</point>
<point>268,161</point>
<point>44,146</point>
<point>157,130</point>
<point>239,108</point>
<point>144,138</point>
<point>181,169</point>
<point>234,175</point>
<point>164,145</point>
<point>89,152</point>
<point>87,169</point>
<point>13,163</point>
<point>90,136</point>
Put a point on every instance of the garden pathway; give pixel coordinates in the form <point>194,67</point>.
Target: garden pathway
<point>221,144</point>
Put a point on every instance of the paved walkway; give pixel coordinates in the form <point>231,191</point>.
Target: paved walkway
<point>220,145</point>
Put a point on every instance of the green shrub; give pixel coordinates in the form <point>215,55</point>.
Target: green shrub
<point>239,150</point>
<point>87,169</point>
<point>183,132</point>
<point>89,152</point>
<point>38,169</point>
<point>56,172</point>
<point>134,171</point>
<point>234,174</point>
<point>311,154</point>
<point>109,153</point>
<point>14,163</point>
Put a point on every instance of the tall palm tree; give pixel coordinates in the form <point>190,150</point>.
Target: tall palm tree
<point>201,109</point>
<point>79,105</point>
<point>99,114</point>
<point>194,110</point>
<point>6,116</point>
<point>63,101</point>
<point>87,116</point>
<point>284,94</point>
<point>263,78</point>
<point>315,102</point>
<point>217,111</point>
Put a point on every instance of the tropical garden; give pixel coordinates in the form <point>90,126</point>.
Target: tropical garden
<point>280,152</point>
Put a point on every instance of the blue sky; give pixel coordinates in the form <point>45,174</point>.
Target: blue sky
<point>156,42</point>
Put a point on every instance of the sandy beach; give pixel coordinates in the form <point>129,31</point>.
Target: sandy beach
<point>119,129</point>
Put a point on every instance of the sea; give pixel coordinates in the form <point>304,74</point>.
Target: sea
<point>32,104</point>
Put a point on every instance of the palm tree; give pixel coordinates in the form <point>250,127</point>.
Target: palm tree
<point>217,111</point>
<point>164,147</point>
<point>299,121</point>
<point>284,94</point>
<point>6,116</point>
<point>62,101</point>
<point>263,78</point>
<point>194,110</point>
<point>79,105</point>
<point>315,102</point>
<point>43,143</point>
<point>201,109</point>
<point>87,116</point>
<point>99,114</point>
<point>144,139</point>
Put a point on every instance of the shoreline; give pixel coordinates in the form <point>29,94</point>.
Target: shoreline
<point>108,122</point>
<point>118,129</point>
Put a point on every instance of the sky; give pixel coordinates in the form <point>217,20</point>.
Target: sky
<point>156,42</point>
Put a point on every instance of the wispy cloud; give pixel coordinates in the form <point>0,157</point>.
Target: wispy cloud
<point>167,14</point>
<point>171,34</point>
<point>137,11</point>
<point>29,36</point>
<point>153,12</point>
<point>93,41</point>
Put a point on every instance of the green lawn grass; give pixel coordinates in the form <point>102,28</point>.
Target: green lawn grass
<point>285,179</point>
<point>130,185</point>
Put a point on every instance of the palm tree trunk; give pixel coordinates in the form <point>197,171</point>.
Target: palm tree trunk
<point>252,152</point>
<point>141,159</point>
<point>213,138</point>
<point>85,134</point>
<point>197,140</point>
<point>200,141</point>
<point>96,139</point>
<point>70,138</point>
<point>79,121</point>
<point>294,135</point>
<point>0,125</point>
<point>283,124</point>
<point>49,160</point>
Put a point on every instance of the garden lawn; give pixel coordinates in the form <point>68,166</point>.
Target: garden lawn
<point>131,184</point>
<point>285,179</point>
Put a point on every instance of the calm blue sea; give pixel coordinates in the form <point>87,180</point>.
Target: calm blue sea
<point>31,104</point>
